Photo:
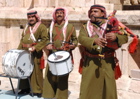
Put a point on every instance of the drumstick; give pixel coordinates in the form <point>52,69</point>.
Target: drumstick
<point>57,56</point>
<point>54,55</point>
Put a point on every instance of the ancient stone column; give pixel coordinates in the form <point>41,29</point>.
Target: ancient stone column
<point>134,2</point>
<point>2,3</point>
<point>117,4</point>
<point>41,3</point>
<point>106,3</point>
<point>28,4</point>
<point>139,1</point>
<point>126,2</point>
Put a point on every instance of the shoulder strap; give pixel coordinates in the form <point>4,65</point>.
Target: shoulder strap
<point>85,29</point>
<point>70,34</point>
<point>58,34</point>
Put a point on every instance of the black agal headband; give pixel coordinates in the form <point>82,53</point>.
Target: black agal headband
<point>30,13</point>
<point>98,6</point>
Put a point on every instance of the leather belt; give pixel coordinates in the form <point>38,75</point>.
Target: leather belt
<point>104,55</point>
<point>28,45</point>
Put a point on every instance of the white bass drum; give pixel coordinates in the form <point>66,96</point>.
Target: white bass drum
<point>17,63</point>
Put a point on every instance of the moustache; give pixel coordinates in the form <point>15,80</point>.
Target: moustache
<point>97,17</point>
<point>92,16</point>
<point>31,20</point>
<point>59,16</point>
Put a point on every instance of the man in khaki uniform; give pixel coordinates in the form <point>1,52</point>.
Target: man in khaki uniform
<point>62,37</point>
<point>34,39</point>
<point>100,38</point>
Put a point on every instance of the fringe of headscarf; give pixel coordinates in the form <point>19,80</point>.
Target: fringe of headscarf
<point>53,22</point>
<point>90,26</point>
<point>37,24</point>
<point>100,31</point>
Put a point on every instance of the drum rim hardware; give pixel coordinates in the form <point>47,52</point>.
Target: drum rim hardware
<point>58,61</point>
<point>61,67</point>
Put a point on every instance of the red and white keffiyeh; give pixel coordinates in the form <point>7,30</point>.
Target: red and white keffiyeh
<point>33,30</point>
<point>90,27</point>
<point>54,19</point>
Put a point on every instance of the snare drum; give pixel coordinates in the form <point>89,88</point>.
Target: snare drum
<point>17,63</point>
<point>60,63</point>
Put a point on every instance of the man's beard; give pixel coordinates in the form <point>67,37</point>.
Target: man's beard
<point>93,18</point>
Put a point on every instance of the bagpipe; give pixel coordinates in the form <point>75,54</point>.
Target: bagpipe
<point>124,30</point>
<point>128,32</point>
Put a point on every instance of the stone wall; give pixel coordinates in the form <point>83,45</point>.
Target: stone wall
<point>55,3</point>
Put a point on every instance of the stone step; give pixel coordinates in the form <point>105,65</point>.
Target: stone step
<point>135,74</point>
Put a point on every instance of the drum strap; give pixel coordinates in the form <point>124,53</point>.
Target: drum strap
<point>59,32</point>
<point>70,35</point>
<point>66,45</point>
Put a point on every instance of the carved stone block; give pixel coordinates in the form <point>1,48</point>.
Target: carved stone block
<point>135,73</point>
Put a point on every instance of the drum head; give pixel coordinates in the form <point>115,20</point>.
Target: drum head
<point>24,65</point>
<point>58,56</point>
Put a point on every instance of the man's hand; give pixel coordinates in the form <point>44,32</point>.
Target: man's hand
<point>49,47</point>
<point>31,49</point>
<point>111,36</point>
<point>101,42</point>
<point>71,46</point>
